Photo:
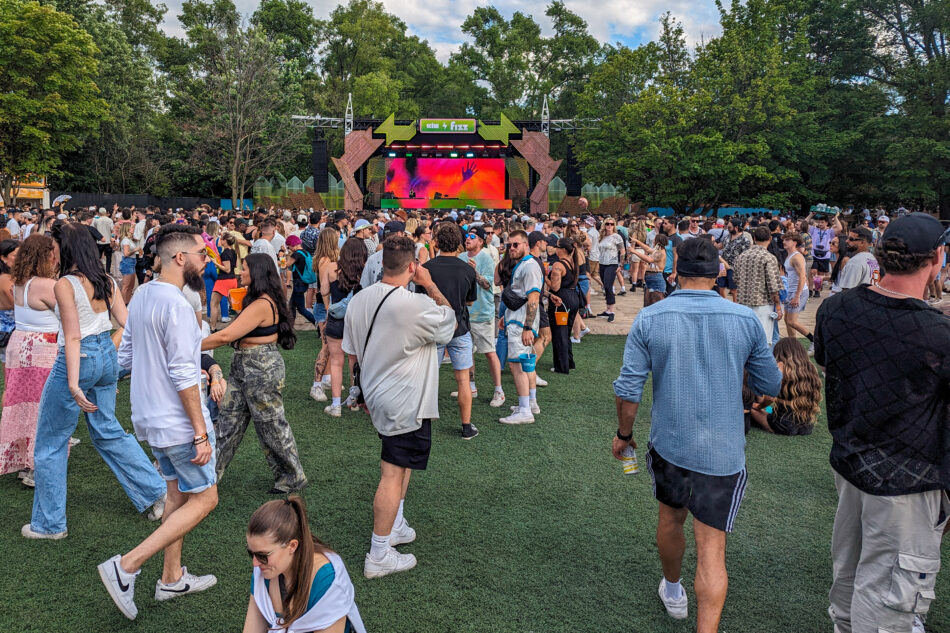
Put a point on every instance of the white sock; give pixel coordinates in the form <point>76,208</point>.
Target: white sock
<point>317,383</point>
<point>498,389</point>
<point>472,385</point>
<point>524,402</point>
<point>326,379</point>
<point>673,590</point>
<point>532,394</point>
<point>399,518</point>
<point>336,401</point>
<point>379,545</point>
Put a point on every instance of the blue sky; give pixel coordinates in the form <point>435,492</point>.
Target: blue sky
<point>630,22</point>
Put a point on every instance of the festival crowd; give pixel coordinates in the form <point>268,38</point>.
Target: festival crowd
<point>89,297</point>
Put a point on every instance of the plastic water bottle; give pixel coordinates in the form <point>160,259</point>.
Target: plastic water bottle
<point>629,459</point>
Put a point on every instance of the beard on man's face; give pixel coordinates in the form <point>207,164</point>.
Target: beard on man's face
<point>194,277</point>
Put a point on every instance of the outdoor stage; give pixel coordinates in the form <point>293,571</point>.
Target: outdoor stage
<point>443,203</point>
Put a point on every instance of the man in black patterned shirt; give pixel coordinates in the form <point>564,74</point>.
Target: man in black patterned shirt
<point>889,417</point>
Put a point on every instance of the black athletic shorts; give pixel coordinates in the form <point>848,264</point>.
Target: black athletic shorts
<point>727,282</point>
<point>408,450</point>
<point>710,499</point>
<point>821,265</point>
<point>544,322</point>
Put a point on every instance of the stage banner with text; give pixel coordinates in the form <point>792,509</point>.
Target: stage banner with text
<point>447,126</point>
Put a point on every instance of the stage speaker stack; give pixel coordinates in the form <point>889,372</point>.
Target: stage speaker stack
<point>573,183</point>
<point>321,177</point>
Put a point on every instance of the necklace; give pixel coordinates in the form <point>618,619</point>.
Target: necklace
<point>894,292</point>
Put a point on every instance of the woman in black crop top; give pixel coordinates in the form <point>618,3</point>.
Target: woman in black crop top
<point>257,376</point>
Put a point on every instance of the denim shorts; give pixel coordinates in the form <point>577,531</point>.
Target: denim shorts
<point>583,282</point>
<point>655,282</point>
<point>460,351</point>
<point>127,266</point>
<point>174,462</point>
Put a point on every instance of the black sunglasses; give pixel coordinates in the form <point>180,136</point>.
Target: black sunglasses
<point>260,556</point>
<point>510,244</point>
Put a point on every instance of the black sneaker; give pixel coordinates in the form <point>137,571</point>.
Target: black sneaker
<point>621,293</point>
<point>610,318</point>
<point>603,314</point>
<point>469,431</point>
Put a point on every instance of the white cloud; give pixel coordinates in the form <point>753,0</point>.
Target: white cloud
<point>439,21</point>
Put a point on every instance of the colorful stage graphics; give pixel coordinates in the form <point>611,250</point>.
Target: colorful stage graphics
<point>460,178</point>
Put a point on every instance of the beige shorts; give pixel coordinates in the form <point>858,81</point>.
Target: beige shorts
<point>483,337</point>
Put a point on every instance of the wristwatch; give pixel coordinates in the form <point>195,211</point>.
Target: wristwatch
<point>624,438</point>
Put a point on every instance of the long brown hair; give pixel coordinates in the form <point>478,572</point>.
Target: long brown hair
<point>283,520</point>
<point>801,384</point>
<point>328,246</point>
<point>349,267</point>
<point>33,260</point>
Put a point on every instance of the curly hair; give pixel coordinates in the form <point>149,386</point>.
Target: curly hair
<point>448,237</point>
<point>801,384</point>
<point>892,256</point>
<point>34,260</point>
<point>349,267</point>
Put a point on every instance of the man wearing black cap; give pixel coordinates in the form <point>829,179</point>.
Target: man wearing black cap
<point>696,454</point>
<point>342,222</point>
<point>889,417</point>
<point>373,270</point>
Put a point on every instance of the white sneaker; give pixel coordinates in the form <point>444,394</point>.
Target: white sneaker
<point>225,319</point>
<point>585,332</point>
<point>27,532</point>
<point>120,585</point>
<point>402,535</point>
<point>392,563</point>
<point>518,417</point>
<point>27,479</point>
<point>157,509</point>
<point>540,382</point>
<point>352,397</point>
<point>332,411</point>
<point>575,341</point>
<point>188,583</point>
<point>498,399</point>
<point>317,393</point>
<point>535,409</point>
<point>676,608</point>
<point>455,394</point>
<point>811,349</point>
<point>73,441</point>
<point>918,624</point>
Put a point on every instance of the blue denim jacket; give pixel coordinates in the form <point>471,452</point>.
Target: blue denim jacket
<point>697,346</point>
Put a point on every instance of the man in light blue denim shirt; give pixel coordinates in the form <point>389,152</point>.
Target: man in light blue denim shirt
<point>697,345</point>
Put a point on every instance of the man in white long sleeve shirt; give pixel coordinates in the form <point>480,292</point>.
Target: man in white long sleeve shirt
<point>161,345</point>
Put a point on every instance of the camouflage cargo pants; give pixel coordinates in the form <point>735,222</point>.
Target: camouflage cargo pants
<point>254,394</point>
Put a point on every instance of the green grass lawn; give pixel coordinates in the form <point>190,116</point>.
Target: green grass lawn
<point>530,528</point>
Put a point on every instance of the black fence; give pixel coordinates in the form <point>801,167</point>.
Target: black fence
<point>106,200</point>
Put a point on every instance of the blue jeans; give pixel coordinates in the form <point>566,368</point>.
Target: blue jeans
<point>209,288</point>
<point>56,421</point>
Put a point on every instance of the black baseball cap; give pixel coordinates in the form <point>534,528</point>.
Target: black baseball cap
<point>920,232</point>
<point>534,237</point>
<point>393,227</point>
<point>477,230</point>
<point>339,215</point>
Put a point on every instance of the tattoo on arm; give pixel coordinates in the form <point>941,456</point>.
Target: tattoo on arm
<point>530,313</point>
<point>216,374</point>
<point>483,283</point>
<point>438,297</point>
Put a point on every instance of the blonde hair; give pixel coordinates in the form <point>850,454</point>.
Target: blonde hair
<point>328,246</point>
<point>411,224</point>
<point>124,230</point>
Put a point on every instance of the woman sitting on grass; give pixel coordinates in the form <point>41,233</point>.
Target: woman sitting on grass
<point>798,403</point>
<point>313,591</point>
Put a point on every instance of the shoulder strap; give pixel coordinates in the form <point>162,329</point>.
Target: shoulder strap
<point>375,314</point>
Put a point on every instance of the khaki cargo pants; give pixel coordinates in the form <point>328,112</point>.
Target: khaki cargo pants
<point>886,554</point>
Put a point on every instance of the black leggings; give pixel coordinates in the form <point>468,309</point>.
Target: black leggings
<point>297,304</point>
<point>561,334</point>
<point>608,273</point>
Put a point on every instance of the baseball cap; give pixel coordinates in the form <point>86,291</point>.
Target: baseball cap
<point>590,221</point>
<point>534,237</point>
<point>552,240</point>
<point>294,240</point>
<point>339,215</point>
<point>393,227</point>
<point>920,232</point>
<point>478,230</point>
<point>864,233</point>
<point>360,224</point>
<point>883,218</point>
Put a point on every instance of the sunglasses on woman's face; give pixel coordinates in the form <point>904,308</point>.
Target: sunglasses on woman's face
<point>260,556</point>
<point>609,224</point>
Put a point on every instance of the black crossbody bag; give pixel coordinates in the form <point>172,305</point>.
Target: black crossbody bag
<point>356,366</point>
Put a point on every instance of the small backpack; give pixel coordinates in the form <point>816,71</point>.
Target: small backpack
<point>307,276</point>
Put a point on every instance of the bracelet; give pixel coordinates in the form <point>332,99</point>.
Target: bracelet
<point>624,438</point>
<point>200,439</point>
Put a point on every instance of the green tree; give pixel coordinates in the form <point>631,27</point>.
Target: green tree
<point>50,102</point>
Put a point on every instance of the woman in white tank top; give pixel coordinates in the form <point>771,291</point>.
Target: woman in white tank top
<point>83,377</point>
<point>30,352</point>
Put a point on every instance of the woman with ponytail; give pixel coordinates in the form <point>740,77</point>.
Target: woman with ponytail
<point>299,584</point>
<point>257,376</point>
<point>562,285</point>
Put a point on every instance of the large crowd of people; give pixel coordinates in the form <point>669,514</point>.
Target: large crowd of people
<point>90,296</point>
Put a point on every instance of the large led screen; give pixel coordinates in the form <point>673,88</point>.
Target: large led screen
<point>464,178</point>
